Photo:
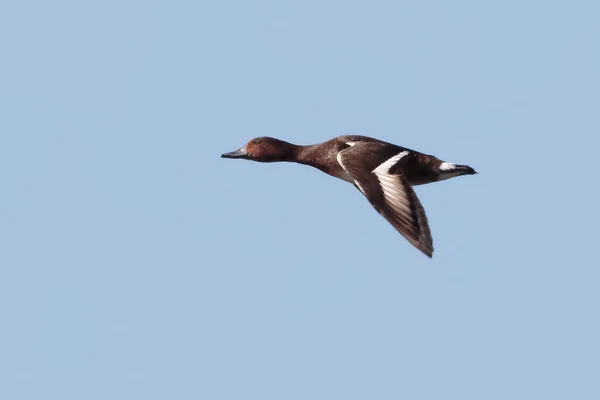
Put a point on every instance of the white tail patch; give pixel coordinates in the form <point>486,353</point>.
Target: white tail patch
<point>446,166</point>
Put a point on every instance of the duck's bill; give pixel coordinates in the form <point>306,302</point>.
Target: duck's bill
<point>240,153</point>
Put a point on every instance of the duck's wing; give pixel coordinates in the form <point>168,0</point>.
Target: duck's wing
<point>390,193</point>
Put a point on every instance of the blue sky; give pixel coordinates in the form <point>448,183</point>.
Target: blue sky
<point>136,263</point>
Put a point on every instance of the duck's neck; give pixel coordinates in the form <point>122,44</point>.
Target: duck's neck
<point>298,154</point>
<point>302,155</point>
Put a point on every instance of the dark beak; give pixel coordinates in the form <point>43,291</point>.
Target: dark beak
<point>241,153</point>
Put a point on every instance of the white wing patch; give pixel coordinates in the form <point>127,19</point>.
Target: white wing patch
<point>446,166</point>
<point>384,168</point>
<point>395,195</point>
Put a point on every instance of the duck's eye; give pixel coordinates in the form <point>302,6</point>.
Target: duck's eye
<point>256,141</point>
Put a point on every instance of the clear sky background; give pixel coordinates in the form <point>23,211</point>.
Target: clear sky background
<point>137,264</point>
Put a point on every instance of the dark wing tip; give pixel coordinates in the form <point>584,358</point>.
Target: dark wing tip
<point>423,243</point>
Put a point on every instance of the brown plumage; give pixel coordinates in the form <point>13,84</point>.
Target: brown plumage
<point>383,172</point>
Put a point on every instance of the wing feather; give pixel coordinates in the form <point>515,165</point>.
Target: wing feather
<point>390,194</point>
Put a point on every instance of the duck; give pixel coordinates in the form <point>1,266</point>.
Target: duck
<point>383,172</point>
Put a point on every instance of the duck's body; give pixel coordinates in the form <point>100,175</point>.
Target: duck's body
<point>382,171</point>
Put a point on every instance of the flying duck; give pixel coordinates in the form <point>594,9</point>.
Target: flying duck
<point>383,172</point>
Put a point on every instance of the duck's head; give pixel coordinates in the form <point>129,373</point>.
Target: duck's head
<point>263,149</point>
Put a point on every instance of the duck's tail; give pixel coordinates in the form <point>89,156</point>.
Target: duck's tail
<point>449,170</point>
<point>465,170</point>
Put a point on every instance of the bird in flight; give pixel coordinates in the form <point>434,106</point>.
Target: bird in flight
<point>383,172</point>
